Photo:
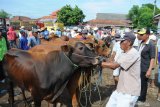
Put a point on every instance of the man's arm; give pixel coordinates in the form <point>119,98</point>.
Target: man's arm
<point>113,56</point>
<point>112,65</point>
<point>148,73</point>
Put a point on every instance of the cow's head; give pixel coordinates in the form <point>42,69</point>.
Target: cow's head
<point>101,48</point>
<point>107,40</point>
<point>81,55</point>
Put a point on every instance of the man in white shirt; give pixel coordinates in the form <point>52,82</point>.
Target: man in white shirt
<point>129,83</point>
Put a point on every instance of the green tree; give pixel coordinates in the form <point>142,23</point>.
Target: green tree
<point>142,16</point>
<point>4,14</point>
<point>151,6</point>
<point>70,16</point>
<point>133,15</point>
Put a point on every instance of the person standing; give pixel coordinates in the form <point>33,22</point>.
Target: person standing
<point>129,83</point>
<point>23,41</point>
<point>158,45</point>
<point>152,77</point>
<point>96,34</point>
<point>115,53</point>
<point>147,52</point>
<point>45,33</point>
<point>31,40</point>
<point>3,50</point>
<point>35,33</point>
<point>11,37</point>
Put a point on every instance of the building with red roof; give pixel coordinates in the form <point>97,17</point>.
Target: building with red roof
<point>110,20</point>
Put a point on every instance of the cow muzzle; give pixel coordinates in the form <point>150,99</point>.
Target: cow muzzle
<point>98,60</point>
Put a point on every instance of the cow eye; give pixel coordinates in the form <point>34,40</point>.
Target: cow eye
<point>81,48</point>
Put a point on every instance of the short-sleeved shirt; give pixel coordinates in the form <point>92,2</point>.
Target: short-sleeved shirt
<point>129,78</point>
<point>23,43</point>
<point>147,52</point>
<point>45,34</point>
<point>32,41</point>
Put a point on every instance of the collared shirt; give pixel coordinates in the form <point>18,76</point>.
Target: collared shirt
<point>45,34</point>
<point>147,52</point>
<point>23,43</point>
<point>32,41</point>
<point>142,45</point>
<point>3,48</point>
<point>129,79</point>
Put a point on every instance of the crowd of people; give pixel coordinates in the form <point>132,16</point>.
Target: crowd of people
<point>135,56</point>
<point>134,60</point>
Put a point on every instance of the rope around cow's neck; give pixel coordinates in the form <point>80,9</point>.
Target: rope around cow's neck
<point>83,88</point>
<point>75,65</point>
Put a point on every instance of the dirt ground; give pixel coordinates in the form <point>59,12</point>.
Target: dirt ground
<point>106,87</point>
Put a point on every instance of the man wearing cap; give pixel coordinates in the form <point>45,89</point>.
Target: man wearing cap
<point>129,84</point>
<point>23,42</point>
<point>45,33</point>
<point>31,39</point>
<point>147,53</point>
<point>26,32</point>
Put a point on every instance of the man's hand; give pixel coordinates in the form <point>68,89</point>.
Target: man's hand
<point>103,64</point>
<point>112,65</point>
<point>148,73</point>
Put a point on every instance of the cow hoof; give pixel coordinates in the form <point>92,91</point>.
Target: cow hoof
<point>75,106</point>
<point>58,104</point>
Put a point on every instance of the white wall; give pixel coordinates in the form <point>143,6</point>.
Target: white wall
<point>158,27</point>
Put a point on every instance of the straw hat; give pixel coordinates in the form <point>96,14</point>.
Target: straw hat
<point>22,27</point>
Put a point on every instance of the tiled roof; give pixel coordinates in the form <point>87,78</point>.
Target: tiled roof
<point>48,17</point>
<point>20,18</point>
<point>51,17</point>
<point>54,13</point>
<point>111,16</point>
<point>157,16</point>
<point>102,23</point>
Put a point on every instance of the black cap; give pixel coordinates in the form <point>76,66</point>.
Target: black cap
<point>129,36</point>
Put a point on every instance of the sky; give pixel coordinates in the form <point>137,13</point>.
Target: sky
<point>39,8</point>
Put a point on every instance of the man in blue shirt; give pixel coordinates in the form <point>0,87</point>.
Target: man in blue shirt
<point>23,41</point>
<point>45,34</point>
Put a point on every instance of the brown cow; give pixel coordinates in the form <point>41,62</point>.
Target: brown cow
<point>73,83</point>
<point>45,74</point>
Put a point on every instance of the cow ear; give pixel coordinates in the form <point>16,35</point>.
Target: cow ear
<point>66,48</point>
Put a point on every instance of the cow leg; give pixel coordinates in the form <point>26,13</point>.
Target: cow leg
<point>57,104</point>
<point>72,91</point>
<point>72,88</point>
<point>11,94</point>
<point>37,103</point>
<point>74,100</point>
<point>25,99</point>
